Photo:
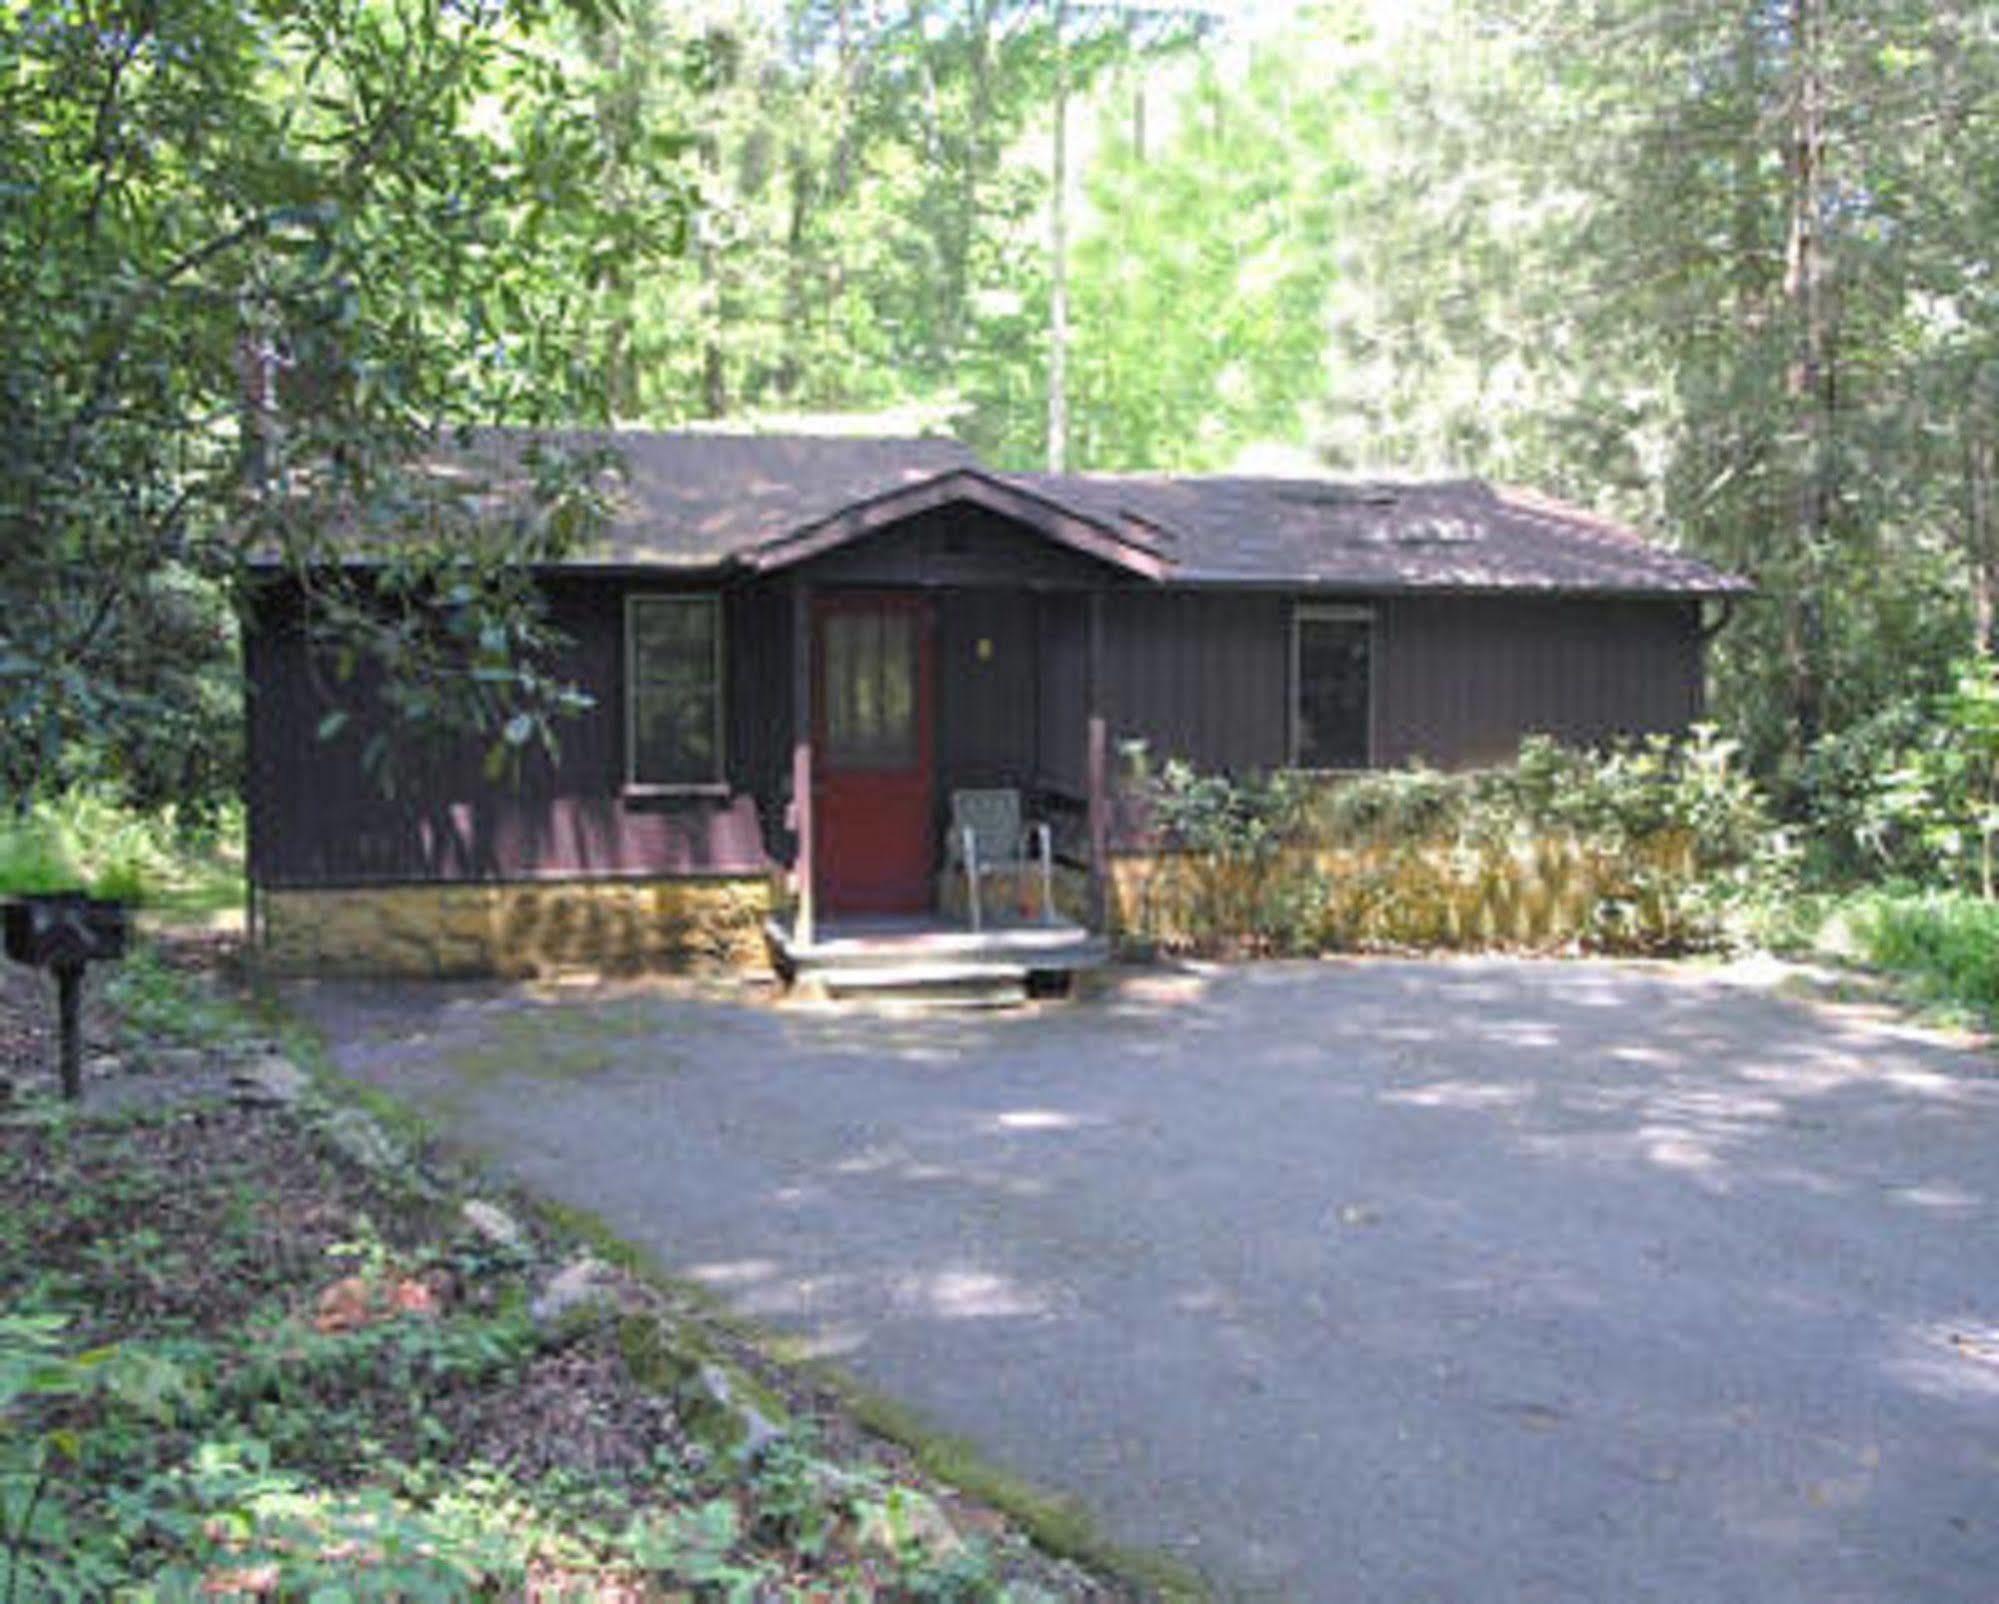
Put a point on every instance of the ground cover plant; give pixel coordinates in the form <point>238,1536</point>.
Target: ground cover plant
<point>259,1349</point>
<point>182,861</point>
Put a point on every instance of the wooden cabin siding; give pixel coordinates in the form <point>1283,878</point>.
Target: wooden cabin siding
<point>953,545</point>
<point>986,705</point>
<point>1206,675</point>
<point>318,818</point>
<point>1062,688</point>
<point>1199,675</point>
<point>1462,679</point>
<point>1203,675</point>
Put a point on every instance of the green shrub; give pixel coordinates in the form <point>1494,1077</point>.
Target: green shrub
<point>1947,942</point>
<point>83,839</point>
<point>1652,846</point>
<point>1911,794</point>
<point>32,860</point>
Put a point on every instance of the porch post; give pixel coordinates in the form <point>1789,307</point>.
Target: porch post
<point>1096,761</point>
<point>801,759</point>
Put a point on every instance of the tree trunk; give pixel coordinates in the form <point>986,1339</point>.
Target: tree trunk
<point>1811,379</point>
<point>1058,292</point>
<point>1979,532</point>
<point>714,374</point>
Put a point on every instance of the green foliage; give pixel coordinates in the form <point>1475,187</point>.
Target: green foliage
<point>226,1439</point>
<point>1912,794</point>
<point>86,839</point>
<point>1651,846</point>
<point>253,262</point>
<point>56,1410</point>
<point>31,860</point>
<point>1946,942</point>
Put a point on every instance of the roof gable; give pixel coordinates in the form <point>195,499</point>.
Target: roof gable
<point>1110,538</point>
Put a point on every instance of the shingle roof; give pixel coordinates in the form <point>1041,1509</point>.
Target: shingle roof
<point>695,499</point>
<point>1452,534</point>
<point>701,500</point>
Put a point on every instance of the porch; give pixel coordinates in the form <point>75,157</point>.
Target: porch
<point>955,649</point>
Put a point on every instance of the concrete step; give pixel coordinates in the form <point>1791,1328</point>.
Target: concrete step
<point>937,985</point>
<point>1064,946</point>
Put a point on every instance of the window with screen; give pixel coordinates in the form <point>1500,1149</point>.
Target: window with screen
<point>673,686</point>
<point>870,688</point>
<point>1332,679</point>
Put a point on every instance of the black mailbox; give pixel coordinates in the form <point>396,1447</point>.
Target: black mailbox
<point>63,930</point>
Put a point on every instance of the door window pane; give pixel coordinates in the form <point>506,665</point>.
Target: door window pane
<point>675,647</point>
<point>1335,667</point>
<point>870,688</point>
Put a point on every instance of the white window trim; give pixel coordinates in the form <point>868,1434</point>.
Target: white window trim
<point>634,786</point>
<point>1335,613</point>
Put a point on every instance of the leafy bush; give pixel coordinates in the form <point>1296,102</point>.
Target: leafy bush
<point>85,840</point>
<point>1911,794</point>
<point>1649,846</point>
<point>31,860</point>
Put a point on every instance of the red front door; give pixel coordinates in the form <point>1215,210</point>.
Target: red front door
<point>871,728</point>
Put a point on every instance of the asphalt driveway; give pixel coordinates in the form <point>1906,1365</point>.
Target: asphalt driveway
<point>1469,1280</point>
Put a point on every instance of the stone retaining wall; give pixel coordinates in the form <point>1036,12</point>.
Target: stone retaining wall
<point>519,929</point>
<point>1549,893</point>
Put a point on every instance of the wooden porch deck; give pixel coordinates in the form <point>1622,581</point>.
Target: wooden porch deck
<point>926,958</point>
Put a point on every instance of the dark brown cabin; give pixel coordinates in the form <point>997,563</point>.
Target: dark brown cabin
<point>801,647</point>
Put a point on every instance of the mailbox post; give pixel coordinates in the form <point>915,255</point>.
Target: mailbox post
<point>64,932</point>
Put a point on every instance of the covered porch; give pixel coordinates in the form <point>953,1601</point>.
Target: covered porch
<point>942,653</point>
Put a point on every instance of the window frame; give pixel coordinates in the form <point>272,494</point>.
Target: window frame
<point>718,785</point>
<point>1303,613</point>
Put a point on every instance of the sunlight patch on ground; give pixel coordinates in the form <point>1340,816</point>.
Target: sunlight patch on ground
<point>1464,1094</point>
<point>1949,1359</point>
<point>732,1272</point>
<point>972,1295</point>
<point>1941,1196</point>
<point>1039,1119</point>
<point>1645,1057</point>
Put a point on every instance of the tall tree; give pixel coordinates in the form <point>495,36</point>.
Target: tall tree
<point>252,259</point>
<point>1697,240</point>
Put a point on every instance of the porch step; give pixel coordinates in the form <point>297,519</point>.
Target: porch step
<point>1021,947</point>
<point>927,961</point>
<point>961,985</point>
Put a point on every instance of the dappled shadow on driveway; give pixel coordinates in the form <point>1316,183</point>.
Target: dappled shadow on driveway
<point>1356,1280</point>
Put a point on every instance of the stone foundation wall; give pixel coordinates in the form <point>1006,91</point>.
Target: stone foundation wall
<point>1552,893</point>
<point>518,930</point>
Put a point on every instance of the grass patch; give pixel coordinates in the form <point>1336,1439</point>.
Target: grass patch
<point>1057,1525</point>
<point>1944,945</point>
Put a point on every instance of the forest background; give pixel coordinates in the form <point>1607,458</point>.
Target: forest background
<point>1722,269</point>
